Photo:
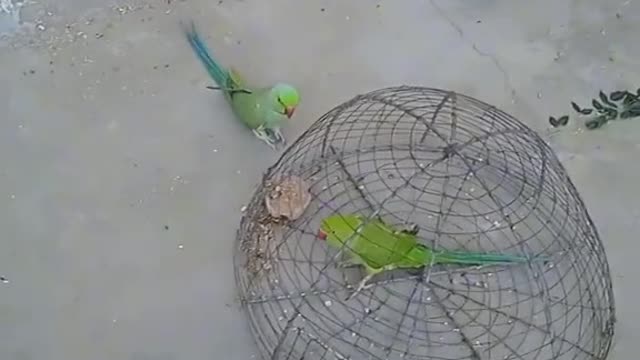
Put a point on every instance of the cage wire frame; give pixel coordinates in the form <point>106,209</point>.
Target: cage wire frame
<point>468,176</point>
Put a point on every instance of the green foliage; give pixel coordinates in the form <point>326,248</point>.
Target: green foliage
<point>617,105</point>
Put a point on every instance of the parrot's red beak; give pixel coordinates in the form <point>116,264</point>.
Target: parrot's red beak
<point>322,235</point>
<point>289,111</point>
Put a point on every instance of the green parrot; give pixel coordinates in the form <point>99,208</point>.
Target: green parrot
<point>263,110</point>
<point>379,247</point>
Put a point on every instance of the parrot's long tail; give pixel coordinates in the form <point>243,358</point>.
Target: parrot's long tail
<point>217,72</point>
<point>475,258</point>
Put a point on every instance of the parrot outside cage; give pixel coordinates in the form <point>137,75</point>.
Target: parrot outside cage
<point>264,110</point>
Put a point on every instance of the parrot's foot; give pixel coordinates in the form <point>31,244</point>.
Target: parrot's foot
<point>347,264</point>
<point>413,229</point>
<point>278,135</point>
<point>361,286</point>
<point>261,134</point>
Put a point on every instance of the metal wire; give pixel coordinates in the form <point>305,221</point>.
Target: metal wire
<point>471,177</point>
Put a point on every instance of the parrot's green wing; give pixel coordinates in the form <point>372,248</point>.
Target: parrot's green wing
<point>380,245</point>
<point>376,246</point>
<point>245,105</point>
<point>244,101</point>
<point>235,79</point>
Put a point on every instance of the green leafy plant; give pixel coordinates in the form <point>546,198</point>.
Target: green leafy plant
<point>617,105</point>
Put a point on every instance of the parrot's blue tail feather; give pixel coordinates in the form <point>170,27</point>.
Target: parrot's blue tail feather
<point>219,75</point>
<point>472,258</point>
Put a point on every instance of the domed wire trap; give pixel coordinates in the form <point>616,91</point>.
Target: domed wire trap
<point>470,177</point>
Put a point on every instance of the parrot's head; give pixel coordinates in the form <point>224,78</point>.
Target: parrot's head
<point>338,228</point>
<point>286,99</point>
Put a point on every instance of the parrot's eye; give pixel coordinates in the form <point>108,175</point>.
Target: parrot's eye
<point>283,105</point>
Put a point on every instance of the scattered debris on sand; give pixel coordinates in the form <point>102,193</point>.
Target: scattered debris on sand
<point>258,247</point>
<point>284,201</point>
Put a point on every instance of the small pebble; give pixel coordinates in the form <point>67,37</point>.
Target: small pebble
<point>243,209</point>
<point>166,227</point>
<point>180,246</point>
<point>41,27</point>
<point>4,280</point>
<point>328,303</point>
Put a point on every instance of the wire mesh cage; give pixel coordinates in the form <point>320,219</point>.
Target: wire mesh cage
<point>451,174</point>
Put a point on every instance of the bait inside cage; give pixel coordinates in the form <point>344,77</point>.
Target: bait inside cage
<point>466,176</point>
